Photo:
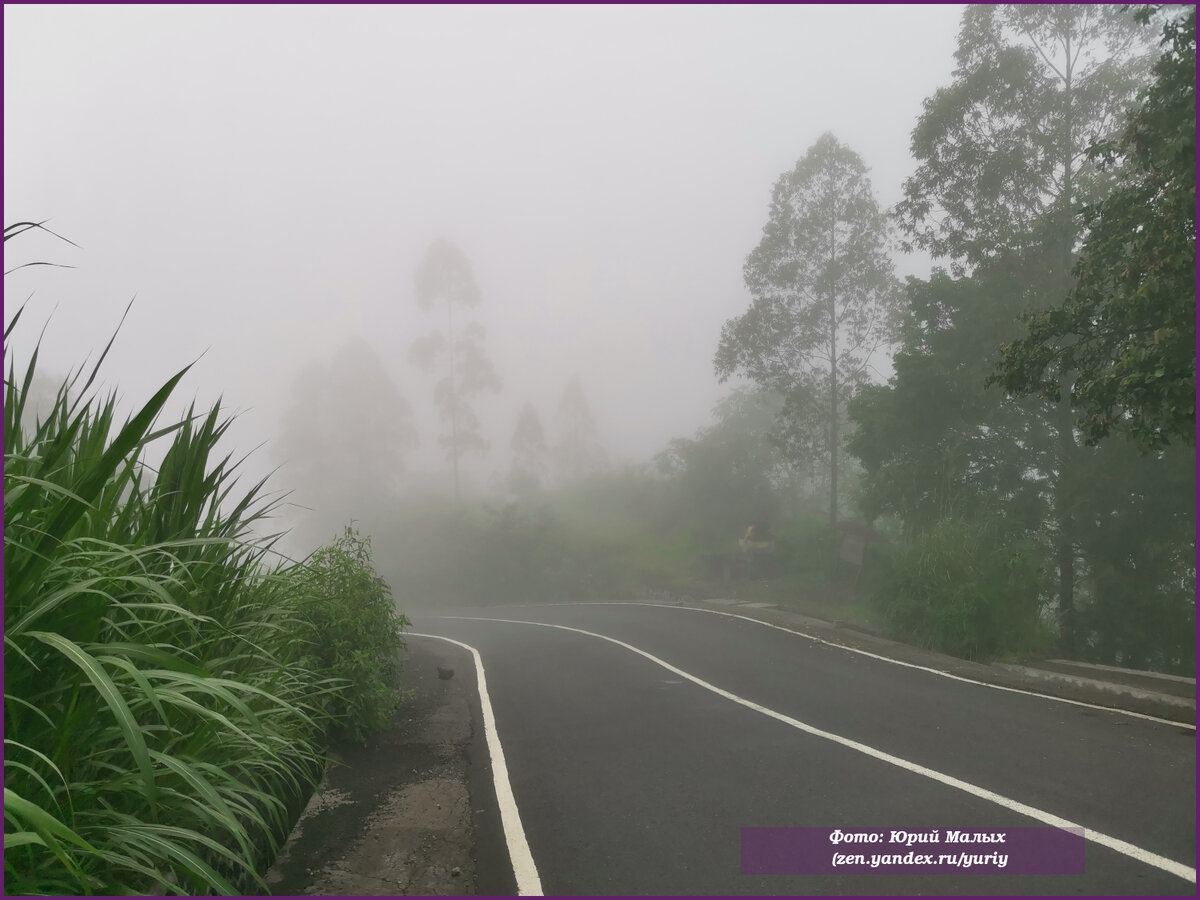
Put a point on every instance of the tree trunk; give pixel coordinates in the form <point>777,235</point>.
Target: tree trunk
<point>1065,542</point>
<point>454,447</point>
<point>833,404</point>
<point>833,414</point>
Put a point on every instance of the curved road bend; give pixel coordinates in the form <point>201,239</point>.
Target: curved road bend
<point>632,779</point>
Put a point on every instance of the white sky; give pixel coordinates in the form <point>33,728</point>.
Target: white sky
<point>265,179</point>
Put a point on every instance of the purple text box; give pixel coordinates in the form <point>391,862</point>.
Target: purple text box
<point>912,851</point>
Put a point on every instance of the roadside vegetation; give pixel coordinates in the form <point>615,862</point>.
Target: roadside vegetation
<point>1019,485</point>
<point>169,687</point>
<point>1022,483</point>
<point>620,535</point>
<point>1035,448</point>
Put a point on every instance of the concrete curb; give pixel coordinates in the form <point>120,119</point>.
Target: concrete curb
<point>1120,696</point>
<point>1156,682</point>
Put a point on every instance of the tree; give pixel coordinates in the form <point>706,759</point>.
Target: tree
<point>1003,149</point>
<point>730,474</point>
<point>345,438</point>
<point>1003,171</point>
<point>971,472</point>
<point>1127,331</point>
<point>445,277</point>
<point>303,445</point>
<point>1138,530</point>
<point>823,288</point>
<point>369,422</point>
<point>933,443</point>
<point>530,453</point>
<point>577,452</point>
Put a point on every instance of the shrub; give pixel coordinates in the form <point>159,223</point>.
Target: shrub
<point>807,545</point>
<point>965,588</point>
<point>481,554</point>
<point>355,633</point>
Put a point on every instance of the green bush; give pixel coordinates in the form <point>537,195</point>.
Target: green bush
<point>807,545</point>
<point>597,539</point>
<point>966,589</point>
<point>355,633</point>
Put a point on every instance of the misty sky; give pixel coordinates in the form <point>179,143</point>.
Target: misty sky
<point>265,180</point>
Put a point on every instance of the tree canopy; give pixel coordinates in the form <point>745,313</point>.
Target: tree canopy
<point>530,453</point>
<point>822,288</point>
<point>577,452</point>
<point>730,474</point>
<point>1004,174</point>
<point>1002,149</point>
<point>1127,332</point>
<point>345,438</point>
<point>445,277</point>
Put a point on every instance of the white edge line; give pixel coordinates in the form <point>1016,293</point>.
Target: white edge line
<point>528,882</point>
<point>897,662</point>
<point>1134,852</point>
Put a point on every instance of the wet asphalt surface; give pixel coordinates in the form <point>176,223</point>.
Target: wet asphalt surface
<point>633,780</point>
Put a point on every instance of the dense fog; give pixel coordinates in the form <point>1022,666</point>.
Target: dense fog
<point>265,182</point>
<point>562,302</point>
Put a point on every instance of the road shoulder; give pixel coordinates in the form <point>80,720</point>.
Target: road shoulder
<point>401,815</point>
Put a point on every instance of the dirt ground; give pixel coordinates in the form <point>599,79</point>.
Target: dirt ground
<point>401,815</point>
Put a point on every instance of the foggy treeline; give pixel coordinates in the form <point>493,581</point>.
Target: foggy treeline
<point>1024,476</point>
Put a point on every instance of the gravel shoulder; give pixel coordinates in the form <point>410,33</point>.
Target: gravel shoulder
<point>412,812</point>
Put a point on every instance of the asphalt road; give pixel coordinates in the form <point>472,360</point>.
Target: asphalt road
<point>633,779</point>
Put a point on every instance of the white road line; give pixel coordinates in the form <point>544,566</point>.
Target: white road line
<point>528,882</point>
<point>888,659</point>
<point>1187,873</point>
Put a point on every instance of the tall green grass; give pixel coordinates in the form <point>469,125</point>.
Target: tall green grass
<point>167,696</point>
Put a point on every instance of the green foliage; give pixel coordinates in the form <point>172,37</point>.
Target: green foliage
<point>966,589</point>
<point>937,447</point>
<point>1138,533</point>
<point>356,633</point>
<point>934,443</point>
<point>161,727</point>
<point>730,474</point>
<point>1000,147</point>
<point>1002,177</point>
<point>1126,335</point>
<point>806,545</point>
<point>574,544</point>
<point>164,716</point>
<point>603,538</point>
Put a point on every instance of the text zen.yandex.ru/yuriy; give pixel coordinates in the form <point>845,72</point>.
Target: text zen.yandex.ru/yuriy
<point>962,859</point>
